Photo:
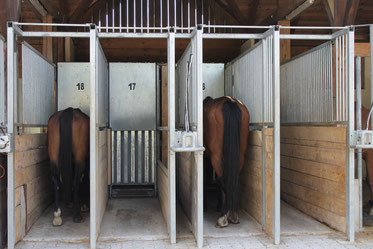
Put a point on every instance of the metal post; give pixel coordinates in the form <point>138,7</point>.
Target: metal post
<point>276,134</point>
<point>171,136</point>
<point>371,66</point>
<point>93,135</point>
<point>199,59</point>
<point>264,103</point>
<point>11,98</point>
<point>358,127</point>
<point>350,153</point>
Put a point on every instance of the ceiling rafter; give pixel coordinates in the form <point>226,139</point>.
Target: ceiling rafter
<point>80,10</point>
<point>232,11</point>
<point>253,12</point>
<point>341,12</point>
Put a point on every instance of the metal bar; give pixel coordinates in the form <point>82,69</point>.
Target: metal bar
<point>93,135</point>
<point>174,13</point>
<point>107,18</point>
<point>55,34</point>
<point>127,15</point>
<point>160,16</point>
<point>133,35</point>
<point>237,27</point>
<point>371,66</point>
<point>171,137</point>
<point>12,100</point>
<point>147,15</point>
<point>199,66</point>
<point>358,127</point>
<point>343,78</point>
<point>188,15</point>
<point>350,161</point>
<point>168,13</point>
<point>141,14</point>
<point>113,16</point>
<point>307,37</point>
<point>337,79</point>
<point>276,134</point>
<point>313,27</point>
<point>339,33</point>
<point>50,24</point>
<point>120,14</point>
<point>232,36</point>
<point>264,102</point>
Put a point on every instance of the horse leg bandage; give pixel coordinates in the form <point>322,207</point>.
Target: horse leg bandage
<point>57,221</point>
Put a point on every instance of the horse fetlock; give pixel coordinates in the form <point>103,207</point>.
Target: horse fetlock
<point>233,218</point>
<point>57,221</point>
<point>222,221</point>
<point>84,208</point>
<point>77,218</point>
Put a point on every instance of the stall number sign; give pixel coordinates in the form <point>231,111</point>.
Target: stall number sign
<point>80,86</point>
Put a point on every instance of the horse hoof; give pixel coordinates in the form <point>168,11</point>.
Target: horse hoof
<point>77,218</point>
<point>84,208</point>
<point>222,221</point>
<point>57,221</point>
<point>233,218</point>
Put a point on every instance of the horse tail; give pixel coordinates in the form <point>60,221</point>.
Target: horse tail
<point>231,153</point>
<point>65,152</point>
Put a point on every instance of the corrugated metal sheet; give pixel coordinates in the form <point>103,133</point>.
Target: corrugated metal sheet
<point>38,76</point>
<point>133,157</point>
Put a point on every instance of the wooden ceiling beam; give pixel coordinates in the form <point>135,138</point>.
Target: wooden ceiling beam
<point>230,11</point>
<point>341,12</point>
<point>79,11</point>
<point>252,12</point>
<point>283,9</point>
<point>53,8</point>
<point>237,12</point>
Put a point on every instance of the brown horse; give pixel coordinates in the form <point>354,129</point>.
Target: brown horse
<point>368,157</point>
<point>68,145</point>
<point>225,134</point>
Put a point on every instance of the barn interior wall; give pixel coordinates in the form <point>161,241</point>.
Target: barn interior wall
<point>313,177</point>
<point>251,177</point>
<point>33,186</point>
<point>163,191</point>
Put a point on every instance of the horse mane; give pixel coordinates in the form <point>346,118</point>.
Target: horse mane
<point>65,151</point>
<point>231,152</point>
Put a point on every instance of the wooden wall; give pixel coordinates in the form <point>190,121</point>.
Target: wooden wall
<point>313,177</point>
<point>163,191</point>
<point>33,185</point>
<point>102,176</point>
<point>184,165</point>
<point>251,177</point>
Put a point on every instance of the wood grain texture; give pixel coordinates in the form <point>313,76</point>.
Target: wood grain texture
<point>313,177</point>
<point>163,192</point>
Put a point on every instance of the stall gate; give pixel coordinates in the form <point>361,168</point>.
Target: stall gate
<point>317,116</point>
<point>253,78</point>
<point>133,121</point>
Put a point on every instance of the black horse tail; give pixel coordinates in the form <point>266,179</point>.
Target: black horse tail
<point>65,152</point>
<point>231,153</point>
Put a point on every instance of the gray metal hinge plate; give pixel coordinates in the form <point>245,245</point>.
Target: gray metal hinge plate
<point>361,139</point>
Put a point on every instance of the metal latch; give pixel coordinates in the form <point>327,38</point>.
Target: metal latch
<point>185,141</point>
<point>5,144</point>
<point>362,139</point>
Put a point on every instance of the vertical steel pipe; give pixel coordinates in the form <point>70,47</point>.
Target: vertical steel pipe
<point>358,127</point>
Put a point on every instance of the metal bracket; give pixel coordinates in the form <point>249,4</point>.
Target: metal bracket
<point>362,139</point>
<point>5,143</point>
<point>185,141</point>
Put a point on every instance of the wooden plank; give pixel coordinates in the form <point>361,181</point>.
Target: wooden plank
<point>48,41</point>
<point>25,175</point>
<point>254,153</point>
<point>323,155</point>
<point>335,221</point>
<point>321,170</point>
<point>316,198</point>
<point>335,189</point>
<point>163,193</point>
<point>30,141</point>
<point>285,49</point>
<point>322,133</point>
<point>362,49</point>
<point>269,201</point>
<point>313,143</point>
<point>255,138</point>
<point>30,157</point>
<point>251,208</point>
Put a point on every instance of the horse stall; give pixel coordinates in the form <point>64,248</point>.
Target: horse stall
<point>317,123</point>
<point>31,99</point>
<point>249,78</point>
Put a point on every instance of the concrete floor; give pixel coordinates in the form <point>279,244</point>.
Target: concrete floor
<point>294,222</point>
<point>138,219</point>
<point>43,230</point>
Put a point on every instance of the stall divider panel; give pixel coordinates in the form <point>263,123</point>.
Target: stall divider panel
<point>2,81</point>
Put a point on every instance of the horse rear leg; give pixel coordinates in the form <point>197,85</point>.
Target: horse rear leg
<point>57,221</point>
<point>78,177</point>
<point>223,219</point>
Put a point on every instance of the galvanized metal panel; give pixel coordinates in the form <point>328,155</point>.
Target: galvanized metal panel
<point>2,83</point>
<point>132,96</point>
<point>134,157</point>
<point>249,79</point>
<point>213,80</point>
<point>103,88</point>
<point>307,87</point>
<point>37,87</point>
<point>73,86</point>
